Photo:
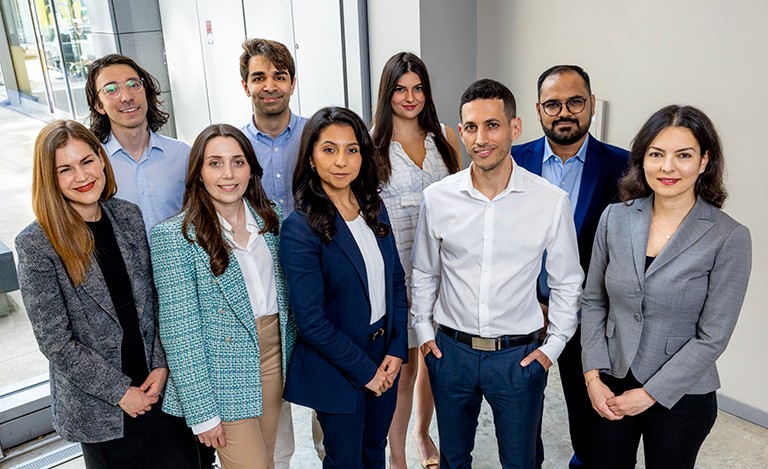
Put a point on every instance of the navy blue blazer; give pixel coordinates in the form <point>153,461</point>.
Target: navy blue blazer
<point>603,167</point>
<point>328,293</point>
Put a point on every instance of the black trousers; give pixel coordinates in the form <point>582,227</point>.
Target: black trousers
<point>671,437</point>
<point>154,440</point>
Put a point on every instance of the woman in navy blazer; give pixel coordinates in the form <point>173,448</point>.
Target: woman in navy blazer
<point>666,282</point>
<point>347,291</point>
<point>86,281</point>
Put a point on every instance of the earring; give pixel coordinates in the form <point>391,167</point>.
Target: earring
<point>311,166</point>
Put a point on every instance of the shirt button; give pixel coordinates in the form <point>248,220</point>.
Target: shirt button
<point>277,149</point>
<point>277,175</point>
<point>638,318</point>
<point>282,201</point>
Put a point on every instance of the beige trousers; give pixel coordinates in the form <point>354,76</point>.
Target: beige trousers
<point>251,442</point>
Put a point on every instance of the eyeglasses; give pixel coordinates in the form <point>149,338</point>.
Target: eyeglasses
<point>574,106</point>
<point>113,90</point>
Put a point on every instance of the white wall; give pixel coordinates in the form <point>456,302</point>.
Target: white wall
<point>640,57</point>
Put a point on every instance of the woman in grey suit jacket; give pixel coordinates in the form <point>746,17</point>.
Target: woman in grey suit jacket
<point>667,279</point>
<point>86,283</point>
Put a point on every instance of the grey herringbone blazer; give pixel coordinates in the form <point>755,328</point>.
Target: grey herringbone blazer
<point>77,327</point>
<point>669,324</point>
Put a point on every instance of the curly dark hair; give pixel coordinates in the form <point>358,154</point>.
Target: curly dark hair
<point>709,186</point>
<point>307,188</point>
<point>397,66</point>
<point>200,211</point>
<point>100,125</point>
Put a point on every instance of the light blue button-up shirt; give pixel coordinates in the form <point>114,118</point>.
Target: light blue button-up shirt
<point>566,176</point>
<point>156,182</point>
<point>277,158</point>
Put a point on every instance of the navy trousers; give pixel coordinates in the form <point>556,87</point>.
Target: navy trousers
<point>358,440</point>
<point>463,377</point>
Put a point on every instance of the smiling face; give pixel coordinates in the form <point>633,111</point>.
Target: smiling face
<point>270,89</point>
<point>127,109</point>
<point>225,173</point>
<point>565,128</point>
<point>408,98</point>
<point>672,164</point>
<point>80,175</point>
<point>487,134</point>
<point>337,159</point>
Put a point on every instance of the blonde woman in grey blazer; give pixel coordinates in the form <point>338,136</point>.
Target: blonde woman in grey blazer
<point>86,283</point>
<point>666,282</point>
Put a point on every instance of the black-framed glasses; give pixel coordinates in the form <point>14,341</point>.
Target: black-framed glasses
<point>574,106</point>
<point>113,90</point>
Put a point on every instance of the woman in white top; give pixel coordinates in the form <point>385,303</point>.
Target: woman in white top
<point>413,150</point>
<point>224,318</point>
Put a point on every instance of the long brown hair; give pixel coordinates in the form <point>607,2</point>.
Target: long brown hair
<point>397,66</point>
<point>200,211</point>
<point>65,228</point>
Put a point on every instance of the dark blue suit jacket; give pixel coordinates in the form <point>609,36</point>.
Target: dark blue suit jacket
<point>603,167</point>
<point>328,292</point>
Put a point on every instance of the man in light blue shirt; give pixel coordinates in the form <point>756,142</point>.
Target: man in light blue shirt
<point>268,75</point>
<point>150,168</point>
<point>269,78</point>
<point>588,170</point>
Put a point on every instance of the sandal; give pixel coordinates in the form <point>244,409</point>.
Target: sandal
<point>432,462</point>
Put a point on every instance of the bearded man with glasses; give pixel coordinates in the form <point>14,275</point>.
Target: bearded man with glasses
<point>589,170</point>
<point>125,115</point>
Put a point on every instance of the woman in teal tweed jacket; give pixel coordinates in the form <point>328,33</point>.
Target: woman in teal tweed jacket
<point>208,325</point>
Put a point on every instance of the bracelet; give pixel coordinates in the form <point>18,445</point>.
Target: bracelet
<point>594,378</point>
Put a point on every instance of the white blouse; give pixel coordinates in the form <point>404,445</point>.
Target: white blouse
<point>374,265</point>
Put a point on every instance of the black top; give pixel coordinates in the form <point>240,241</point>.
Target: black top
<point>648,261</point>
<point>112,265</point>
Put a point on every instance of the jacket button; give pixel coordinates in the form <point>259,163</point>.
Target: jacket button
<point>638,318</point>
<point>227,339</point>
<point>221,310</point>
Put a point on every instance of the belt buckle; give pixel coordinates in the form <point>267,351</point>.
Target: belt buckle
<point>484,344</point>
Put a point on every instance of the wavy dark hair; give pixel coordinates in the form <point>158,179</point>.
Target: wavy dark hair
<point>397,66</point>
<point>100,125</point>
<point>200,212</point>
<point>273,51</point>
<point>709,186</point>
<point>307,187</point>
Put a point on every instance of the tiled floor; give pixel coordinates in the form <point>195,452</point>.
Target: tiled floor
<point>734,443</point>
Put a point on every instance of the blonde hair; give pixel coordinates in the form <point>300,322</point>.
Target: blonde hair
<point>65,228</point>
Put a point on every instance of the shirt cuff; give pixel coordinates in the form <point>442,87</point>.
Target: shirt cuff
<point>425,332</point>
<point>553,347</point>
<point>205,426</point>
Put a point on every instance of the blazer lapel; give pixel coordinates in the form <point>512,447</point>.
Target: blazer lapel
<point>531,157</point>
<point>96,287</point>
<point>347,244</point>
<point>693,227</point>
<point>593,166</point>
<point>639,224</point>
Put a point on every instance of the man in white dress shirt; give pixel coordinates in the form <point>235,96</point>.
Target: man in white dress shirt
<point>476,257</point>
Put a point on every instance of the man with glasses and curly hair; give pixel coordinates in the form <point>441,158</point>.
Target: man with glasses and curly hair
<point>125,115</point>
<point>589,170</point>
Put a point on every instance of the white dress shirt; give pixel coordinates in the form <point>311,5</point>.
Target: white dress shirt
<point>374,266</point>
<point>476,261</point>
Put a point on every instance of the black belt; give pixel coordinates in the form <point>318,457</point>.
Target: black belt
<point>491,344</point>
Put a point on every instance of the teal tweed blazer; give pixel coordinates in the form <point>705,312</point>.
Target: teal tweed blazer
<point>208,329</point>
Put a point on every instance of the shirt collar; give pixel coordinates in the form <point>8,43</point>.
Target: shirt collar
<point>580,155</point>
<point>516,183</point>
<point>112,146</point>
<point>292,123</point>
<point>250,221</point>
